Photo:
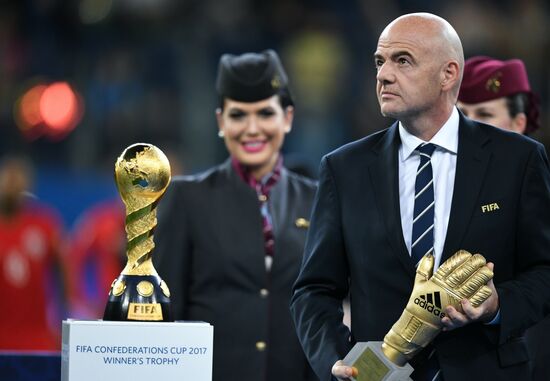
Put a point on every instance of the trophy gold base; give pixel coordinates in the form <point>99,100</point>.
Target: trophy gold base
<point>138,298</point>
<point>373,365</point>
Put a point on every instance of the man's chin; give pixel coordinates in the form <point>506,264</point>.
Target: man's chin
<point>388,113</point>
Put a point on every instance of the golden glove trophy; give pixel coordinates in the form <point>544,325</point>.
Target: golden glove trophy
<point>462,276</point>
<point>142,174</point>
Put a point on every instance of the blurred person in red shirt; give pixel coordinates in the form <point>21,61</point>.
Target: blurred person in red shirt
<point>96,257</point>
<point>30,276</point>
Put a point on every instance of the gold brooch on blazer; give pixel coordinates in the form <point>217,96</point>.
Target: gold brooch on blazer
<point>302,223</point>
<point>489,207</point>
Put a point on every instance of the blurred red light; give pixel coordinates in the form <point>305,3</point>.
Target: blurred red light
<point>52,110</point>
<point>29,108</point>
<point>59,107</point>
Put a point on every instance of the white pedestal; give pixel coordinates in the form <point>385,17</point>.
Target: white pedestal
<point>106,350</point>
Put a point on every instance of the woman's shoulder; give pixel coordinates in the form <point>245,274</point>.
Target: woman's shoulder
<point>207,176</point>
<point>301,180</point>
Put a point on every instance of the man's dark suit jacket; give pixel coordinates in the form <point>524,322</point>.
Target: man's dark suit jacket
<point>356,244</point>
<point>210,251</point>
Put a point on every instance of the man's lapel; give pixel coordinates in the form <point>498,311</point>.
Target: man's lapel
<point>384,172</point>
<point>471,165</point>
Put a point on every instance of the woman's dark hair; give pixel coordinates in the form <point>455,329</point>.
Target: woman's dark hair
<point>517,103</point>
<point>526,103</point>
<point>284,99</point>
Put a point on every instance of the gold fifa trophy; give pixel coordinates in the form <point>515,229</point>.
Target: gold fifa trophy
<point>462,276</point>
<point>142,174</point>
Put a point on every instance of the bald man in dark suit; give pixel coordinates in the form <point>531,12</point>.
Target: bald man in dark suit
<point>491,193</point>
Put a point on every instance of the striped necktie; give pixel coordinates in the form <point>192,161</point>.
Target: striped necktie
<point>423,217</point>
<point>423,242</point>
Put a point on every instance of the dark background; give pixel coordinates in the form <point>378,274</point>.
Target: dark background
<point>145,71</point>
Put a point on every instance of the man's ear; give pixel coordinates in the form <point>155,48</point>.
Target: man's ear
<point>450,75</point>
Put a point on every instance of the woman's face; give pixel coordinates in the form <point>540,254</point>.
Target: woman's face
<point>254,131</point>
<point>494,112</point>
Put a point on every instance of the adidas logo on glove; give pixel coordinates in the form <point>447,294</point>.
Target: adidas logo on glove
<point>431,303</point>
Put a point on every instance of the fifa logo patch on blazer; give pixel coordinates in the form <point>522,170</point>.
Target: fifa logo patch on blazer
<point>489,207</point>
<point>302,223</point>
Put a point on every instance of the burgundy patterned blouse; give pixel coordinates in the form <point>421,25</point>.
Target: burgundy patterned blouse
<point>262,188</point>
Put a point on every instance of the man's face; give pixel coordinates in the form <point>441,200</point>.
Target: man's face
<point>494,112</point>
<point>408,73</point>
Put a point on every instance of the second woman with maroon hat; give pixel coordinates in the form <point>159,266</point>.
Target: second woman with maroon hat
<point>498,93</point>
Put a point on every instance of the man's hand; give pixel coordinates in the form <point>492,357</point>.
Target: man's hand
<point>343,372</point>
<point>485,312</point>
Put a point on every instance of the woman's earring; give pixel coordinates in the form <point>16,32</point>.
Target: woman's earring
<point>221,134</point>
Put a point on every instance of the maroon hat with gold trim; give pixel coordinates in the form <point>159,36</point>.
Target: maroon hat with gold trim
<point>486,78</point>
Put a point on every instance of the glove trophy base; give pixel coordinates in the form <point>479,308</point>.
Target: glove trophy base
<point>373,365</point>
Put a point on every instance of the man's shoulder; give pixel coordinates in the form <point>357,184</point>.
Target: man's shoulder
<point>507,140</point>
<point>360,149</point>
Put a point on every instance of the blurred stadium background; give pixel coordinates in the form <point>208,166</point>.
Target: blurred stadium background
<point>82,79</point>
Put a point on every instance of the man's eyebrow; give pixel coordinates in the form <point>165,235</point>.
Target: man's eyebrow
<point>400,53</point>
<point>394,55</point>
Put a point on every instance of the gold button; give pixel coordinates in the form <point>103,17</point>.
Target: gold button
<point>260,346</point>
<point>264,292</point>
<point>302,223</point>
<point>262,198</point>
